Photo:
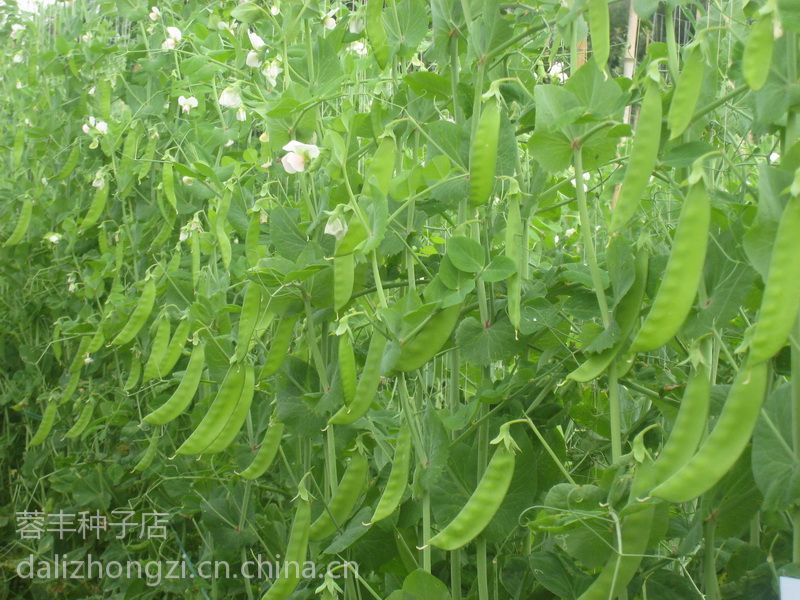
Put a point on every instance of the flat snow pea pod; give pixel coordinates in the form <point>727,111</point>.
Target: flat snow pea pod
<point>183,394</point>
<point>295,556</point>
<point>253,250</point>
<point>343,501</point>
<point>343,275</point>
<point>726,442</point>
<point>600,30</point>
<point>644,153</point>
<point>626,314</point>
<point>218,414</point>
<point>279,346</point>
<point>238,415</point>
<point>175,348</point>
<point>347,368</point>
<point>82,422</point>
<point>689,427</point>
<point>376,32</point>
<point>22,225</point>
<point>513,250</point>
<point>482,504</point>
<point>71,162</point>
<point>46,425</point>
<point>266,452</point>
<point>424,345</point>
<point>682,275</point>
<point>139,316</point>
<point>134,372</point>
<point>781,299</point>
<point>687,93</point>
<point>483,154</point>
<point>194,238</point>
<point>248,319</point>
<point>146,160</point>
<point>168,185</point>
<point>149,454</point>
<point>97,206</point>
<point>398,477</point>
<point>367,385</point>
<point>622,566</point>
<point>158,349</point>
<point>758,50</point>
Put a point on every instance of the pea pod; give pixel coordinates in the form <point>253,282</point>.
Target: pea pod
<point>343,272</point>
<point>726,442</point>
<point>367,384</point>
<point>168,185</point>
<point>599,29</point>
<point>398,477</point>
<point>376,32</point>
<point>253,249</point>
<point>758,50</point>
<point>183,394</point>
<point>279,346</point>
<point>19,147</point>
<point>482,505</point>
<point>483,154</point>
<point>266,452</point>
<point>23,223</point>
<point>295,555</point>
<point>134,372</point>
<point>139,316</point>
<point>644,153</point>
<point>513,250</point>
<point>71,162</point>
<point>682,275</point>
<point>46,425</point>
<point>97,206</point>
<point>343,501</point>
<point>158,349</point>
<point>424,345</point>
<point>238,414</point>
<point>194,238</point>
<point>347,368</point>
<point>248,319</point>
<point>781,299</point>
<point>146,161</point>
<point>687,93</point>
<point>216,418</point>
<point>149,454</point>
<point>82,422</point>
<point>175,348</point>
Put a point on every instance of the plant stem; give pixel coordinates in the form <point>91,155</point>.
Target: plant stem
<point>711,584</point>
<point>614,408</point>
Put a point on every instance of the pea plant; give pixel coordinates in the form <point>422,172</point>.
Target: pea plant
<point>489,299</point>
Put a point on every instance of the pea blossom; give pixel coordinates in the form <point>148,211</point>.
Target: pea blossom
<point>155,13</point>
<point>187,104</point>
<point>271,72</point>
<point>230,98</point>
<point>256,41</point>
<point>297,155</point>
<point>252,60</point>
<point>241,114</point>
<point>16,30</point>
<point>329,20</point>
<point>358,48</point>
<point>174,36</point>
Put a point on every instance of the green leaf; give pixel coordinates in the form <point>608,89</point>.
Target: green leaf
<point>501,267</point>
<point>247,12</point>
<point>421,585</point>
<point>484,345</point>
<point>466,254</point>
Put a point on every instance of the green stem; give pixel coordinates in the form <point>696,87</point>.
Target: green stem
<point>709,561</point>
<point>614,409</point>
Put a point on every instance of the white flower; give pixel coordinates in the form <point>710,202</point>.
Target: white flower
<point>570,232</point>
<point>359,48</point>
<point>336,226</point>
<point>241,114</point>
<point>86,37</point>
<point>92,90</point>
<point>274,10</point>
<point>87,359</point>
<point>54,238</point>
<point>101,127</point>
<point>328,21</point>
<point>223,26</point>
<point>271,72</point>
<point>230,98</point>
<point>99,181</point>
<point>154,13</point>
<point>16,30</point>
<point>86,129</point>
<point>174,33</point>
<point>18,58</point>
<point>297,154</point>
<point>266,165</point>
<point>556,238</point>
<point>187,180</point>
<point>184,235</point>
<point>19,85</point>
<point>256,41</point>
<point>264,137</point>
<point>774,157</point>
<point>557,71</point>
<point>356,25</point>
<point>92,121</point>
<point>252,59</point>
<point>168,44</point>
<point>229,143</point>
<point>187,104</point>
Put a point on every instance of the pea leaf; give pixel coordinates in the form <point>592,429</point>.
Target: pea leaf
<point>466,254</point>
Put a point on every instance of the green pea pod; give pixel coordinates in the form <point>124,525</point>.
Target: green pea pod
<point>687,93</point>
<point>175,348</point>
<point>398,477</point>
<point>622,566</point>
<point>781,299</point>
<point>644,153</point>
<point>238,415</point>
<point>46,425</point>
<point>23,223</point>
<point>600,30</point>
<point>127,162</point>
<point>253,249</point>
<point>726,442</point>
<point>146,161</point>
<point>367,385</point>
<point>157,349</point>
<point>424,345</point>
<point>139,315</point>
<point>376,32</point>
<point>513,250</point>
<point>248,319</point>
<point>82,422</point>
<point>347,368</point>
<point>279,347</point>
<point>149,454</point>
<point>757,56</point>
<point>483,154</point>
<point>134,372</point>
<point>162,236</point>
<point>295,555</point>
<point>689,427</point>
<point>682,275</point>
<point>96,342</point>
<point>482,505</point>
<point>266,452</point>
<point>19,147</point>
<point>626,315</point>
<point>168,185</point>
<point>218,414</point>
<point>183,394</point>
<point>223,241</point>
<point>96,208</point>
<point>343,501</point>
<point>194,237</point>
<point>70,163</point>
<point>343,271</point>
